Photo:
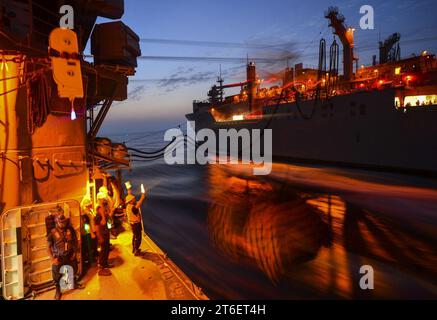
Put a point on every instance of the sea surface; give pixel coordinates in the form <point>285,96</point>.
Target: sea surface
<point>302,232</point>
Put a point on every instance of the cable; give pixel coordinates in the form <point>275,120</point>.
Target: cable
<point>10,78</point>
<point>303,115</point>
<point>153,152</point>
<point>45,9</point>
<point>19,44</point>
<point>12,90</point>
<point>163,151</point>
<point>208,59</point>
<point>38,100</point>
<point>150,159</point>
<point>155,155</point>
<point>152,133</point>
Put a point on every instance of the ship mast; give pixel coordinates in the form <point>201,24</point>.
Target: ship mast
<point>220,81</point>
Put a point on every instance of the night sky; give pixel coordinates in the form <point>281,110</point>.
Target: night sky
<point>162,91</point>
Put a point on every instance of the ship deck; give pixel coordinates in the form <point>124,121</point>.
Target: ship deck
<point>152,276</point>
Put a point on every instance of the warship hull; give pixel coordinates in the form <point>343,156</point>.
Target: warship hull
<point>362,129</point>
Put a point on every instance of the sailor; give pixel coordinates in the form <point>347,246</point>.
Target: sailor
<point>112,197</point>
<point>88,235</point>
<point>50,219</point>
<point>62,248</point>
<point>135,219</point>
<point>104,190</point>
<point>103,213</point>
<point>114,203</point>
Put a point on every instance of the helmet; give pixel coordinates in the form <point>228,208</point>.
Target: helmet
<point>130,198</point>
<point>61,219</point>
<point>86,202</point>
<point>101,196</point>
<point>103,189</point>
<point>128,185</point>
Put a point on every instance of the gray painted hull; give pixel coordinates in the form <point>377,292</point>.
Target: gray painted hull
<point>362,129</point>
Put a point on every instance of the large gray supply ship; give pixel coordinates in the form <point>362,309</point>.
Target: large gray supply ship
<point>381,116</point>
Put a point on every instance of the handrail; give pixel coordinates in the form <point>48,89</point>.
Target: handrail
<point>3,245</point>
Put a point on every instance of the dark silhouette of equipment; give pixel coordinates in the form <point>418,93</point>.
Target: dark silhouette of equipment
<point>216,93</point>
<point>251,85</point>
<point>114,43</point>
<point>390,50</point>
<point>334,60</point>
<point>346,36</point>
<point>29,23</point>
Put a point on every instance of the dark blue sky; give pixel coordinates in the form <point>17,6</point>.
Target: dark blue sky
<point>162,90</point>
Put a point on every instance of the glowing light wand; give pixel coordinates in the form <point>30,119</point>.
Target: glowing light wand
<point>143,190</point>
<point>73,113</point>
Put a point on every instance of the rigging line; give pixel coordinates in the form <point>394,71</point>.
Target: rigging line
<point>402,42</point>
<point>147,157</point>
<point>25,75</point>
<point>248,45</point>
<point>153,152</point>
<point>163,151</point>
<point>4,157</point>
<point>19,44</point>
<point>152,158</point>
<point>11,78</point>
<point>4,34</point>
<point>182,79</point>
<point>192,141</point>
<point>216,43</point>
<point>12,90</point>
<point>163,154</point>
<point>212,59</point>
<point>207,59</point>
<point>235,60</point>
<point>142,137</point>
<point>320,34</point>
<point>153,133</point>
<point>24,83</point>
<point>57,15</point>
<point>370,47</point>
<point>50,24</point>
<point>303,115</point>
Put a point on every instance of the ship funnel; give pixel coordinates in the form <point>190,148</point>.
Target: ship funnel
<point>251,84</point>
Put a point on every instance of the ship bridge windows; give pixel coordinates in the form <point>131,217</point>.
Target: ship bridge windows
<point>417,101</point>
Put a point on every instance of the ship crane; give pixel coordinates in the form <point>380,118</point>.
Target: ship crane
<point>389,50</point>
<point>346,36</point>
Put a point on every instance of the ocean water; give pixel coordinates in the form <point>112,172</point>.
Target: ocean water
<point>302,232</point>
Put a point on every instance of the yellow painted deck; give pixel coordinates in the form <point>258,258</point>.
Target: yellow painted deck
<point>150,277</point>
